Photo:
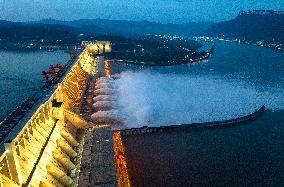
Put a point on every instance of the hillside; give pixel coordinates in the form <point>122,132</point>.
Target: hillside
<point>132,28</point>
<point>252,26</point>
<point>11,31</point>
<point>56,29</point>
<point>27,36</point>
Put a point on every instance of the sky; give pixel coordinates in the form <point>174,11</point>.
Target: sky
<point>165,11</point>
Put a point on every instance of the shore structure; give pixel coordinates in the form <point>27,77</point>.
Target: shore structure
<point>55,143</point>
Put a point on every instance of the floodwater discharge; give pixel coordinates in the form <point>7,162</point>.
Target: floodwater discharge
<point>235,81</point>
<point>155,99</point>
<point>151,98</point>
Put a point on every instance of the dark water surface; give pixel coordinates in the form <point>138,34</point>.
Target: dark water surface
<point>247,155</point>
<point>20,75</point>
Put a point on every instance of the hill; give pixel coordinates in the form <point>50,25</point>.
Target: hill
<point>257,25</point>
<point>11,31</point>
<point>132,28</point>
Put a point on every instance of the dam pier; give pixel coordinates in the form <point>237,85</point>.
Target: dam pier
<point>55,143</point>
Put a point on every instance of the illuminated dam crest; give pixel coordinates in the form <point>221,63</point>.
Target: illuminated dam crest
<point>49,146</point>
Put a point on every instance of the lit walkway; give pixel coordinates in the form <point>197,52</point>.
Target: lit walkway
<point>97,167</point>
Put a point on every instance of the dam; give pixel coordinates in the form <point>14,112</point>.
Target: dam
<point>53,142</point>
<point>56,137</point>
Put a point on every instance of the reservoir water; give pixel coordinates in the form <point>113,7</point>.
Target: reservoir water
<point>21,75</point>
<point>248,155</point>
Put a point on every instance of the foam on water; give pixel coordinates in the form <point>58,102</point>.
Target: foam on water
<point>155,99</point>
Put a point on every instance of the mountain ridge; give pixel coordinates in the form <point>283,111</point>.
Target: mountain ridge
<point>131,28</point>
<point>254,25</point>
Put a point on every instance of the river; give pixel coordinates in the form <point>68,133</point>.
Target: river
<point>248,155</point>
<point>21,75</point>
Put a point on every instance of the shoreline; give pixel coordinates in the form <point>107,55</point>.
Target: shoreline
<point>204,55</point>
<point>230,40</point>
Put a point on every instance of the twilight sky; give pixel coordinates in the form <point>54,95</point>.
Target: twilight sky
<point>166,11</point>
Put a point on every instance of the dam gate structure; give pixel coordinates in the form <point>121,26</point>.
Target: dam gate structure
<point>54,142</point>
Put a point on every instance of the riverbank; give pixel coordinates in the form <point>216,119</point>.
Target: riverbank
<point>263,44</point>
<point>195,57</point>
<point>27,47</point>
